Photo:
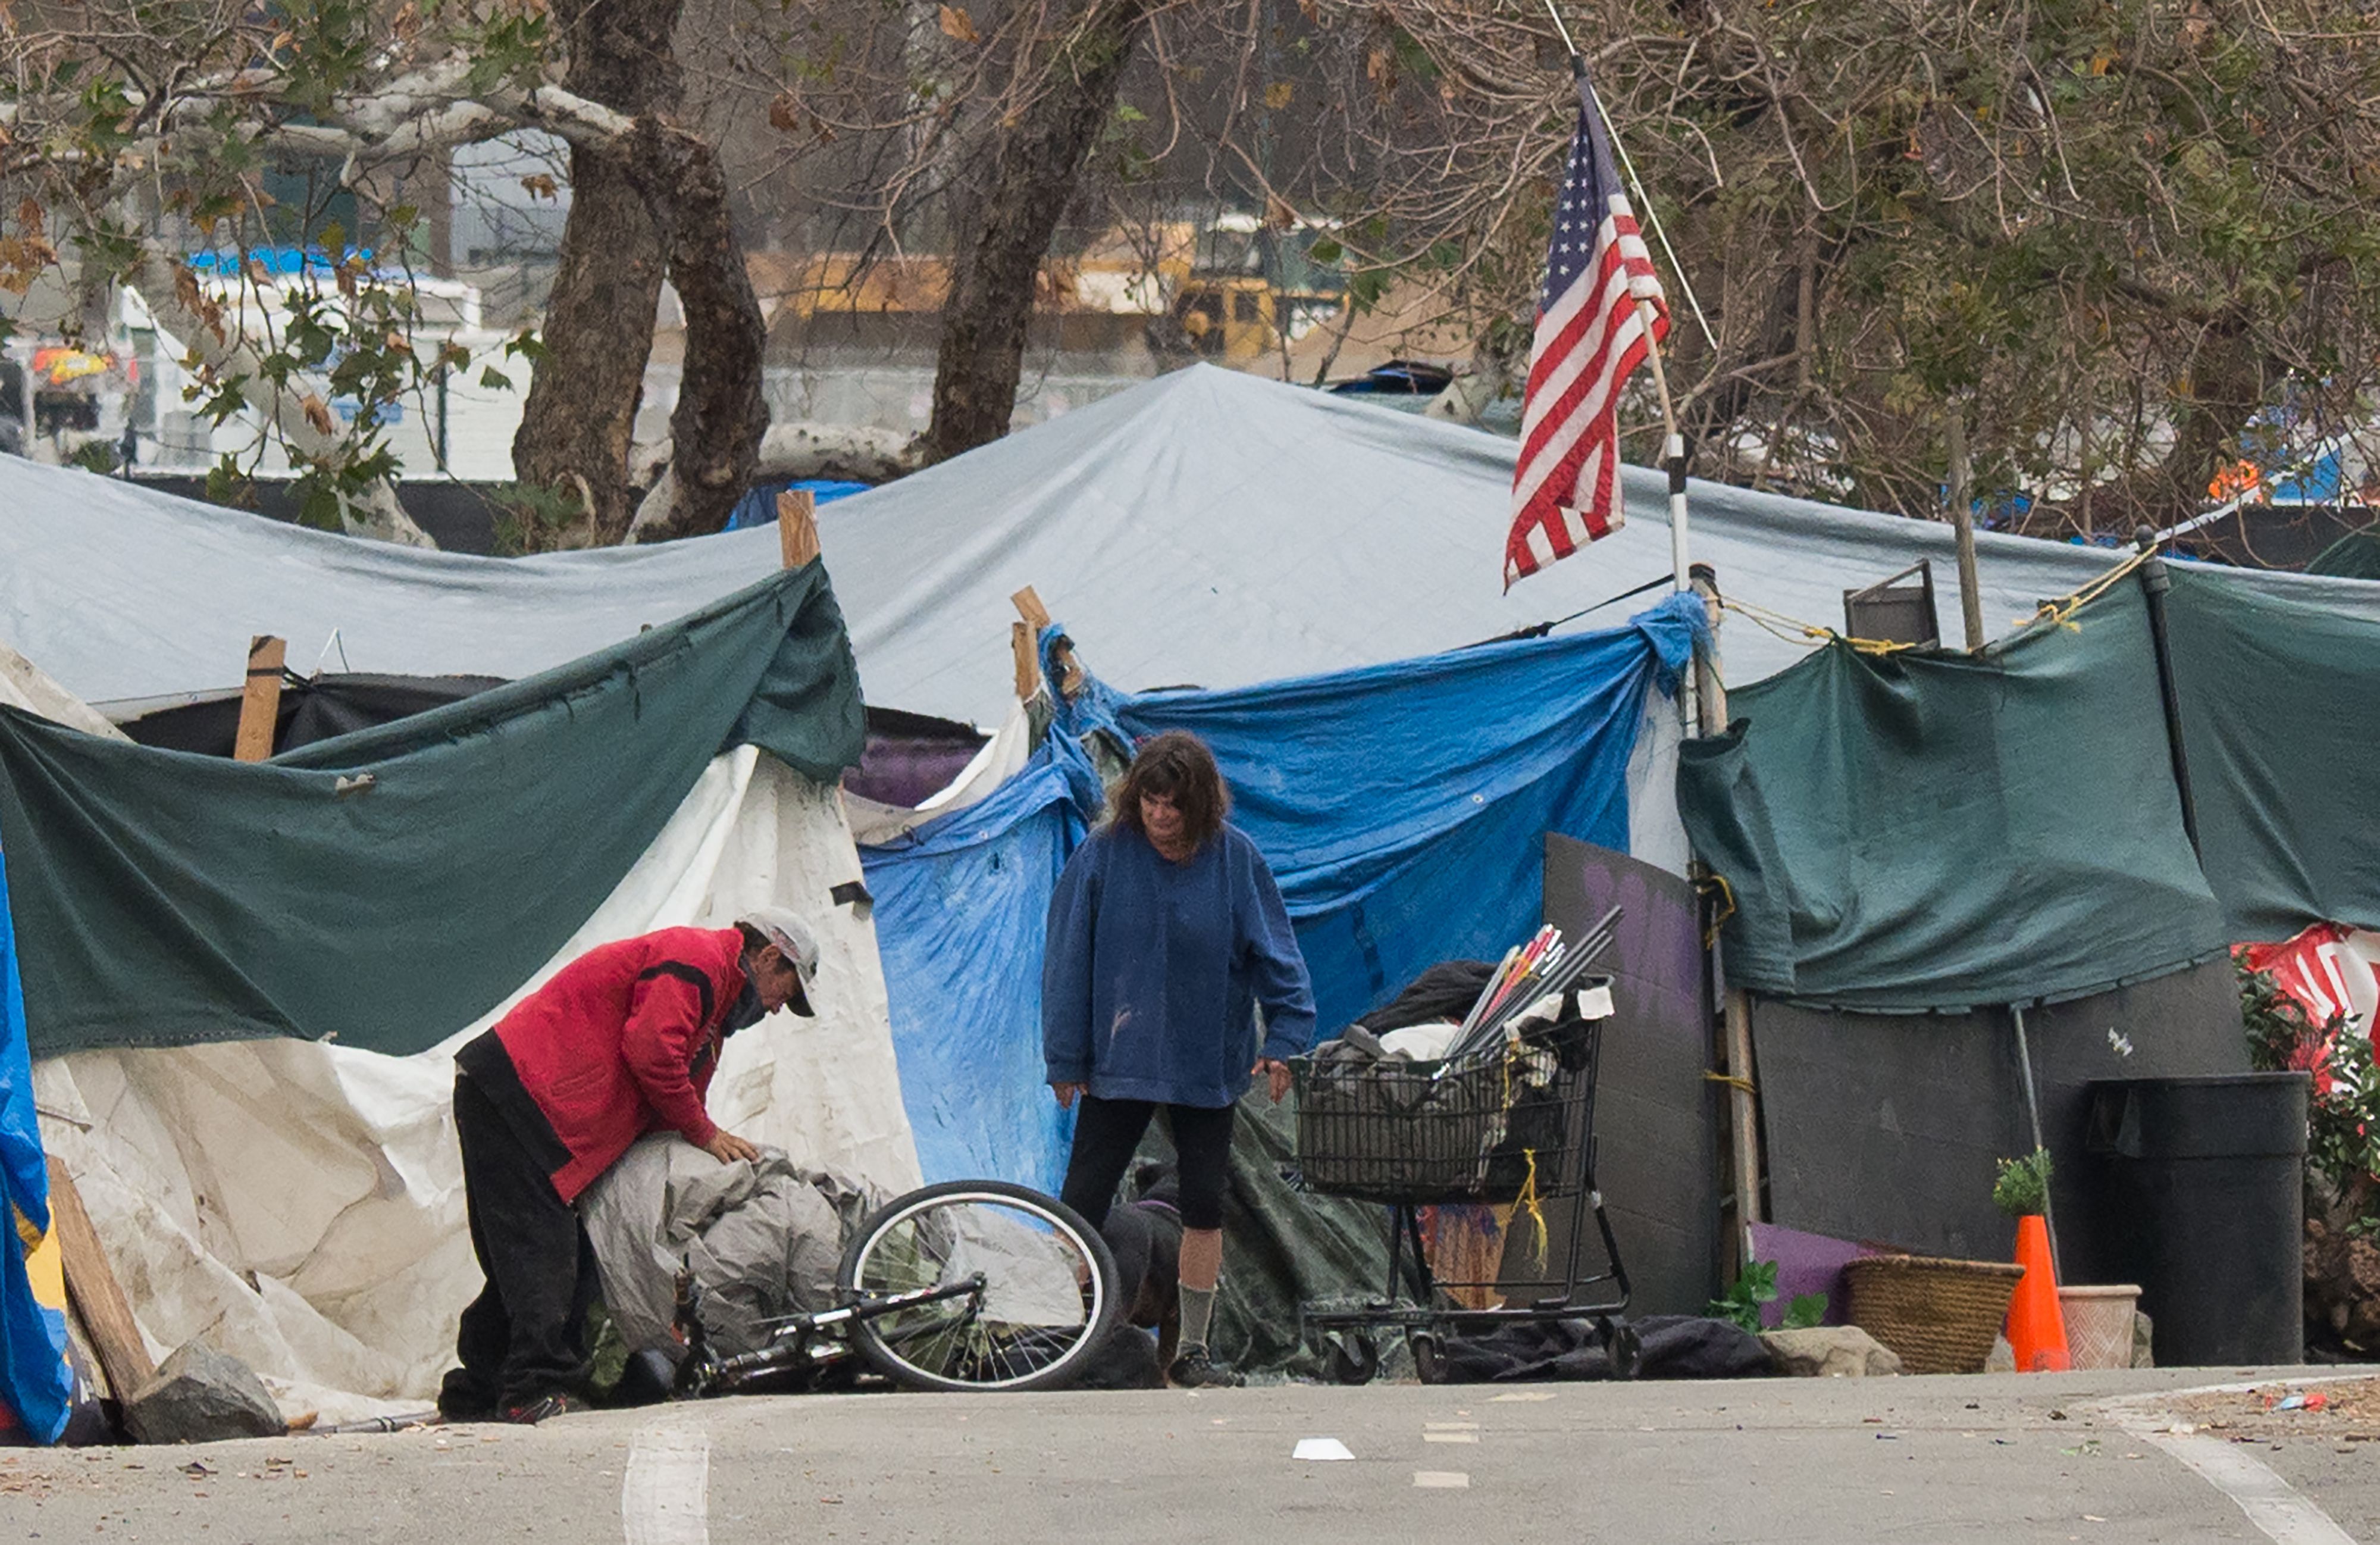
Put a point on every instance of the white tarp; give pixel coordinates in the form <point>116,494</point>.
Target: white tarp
<point>301,1205</point>
<point>1206,527</point>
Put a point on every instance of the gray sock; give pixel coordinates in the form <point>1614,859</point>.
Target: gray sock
<point>1198,1310</point>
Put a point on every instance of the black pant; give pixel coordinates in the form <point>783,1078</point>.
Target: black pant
<point>521,1338</point>
<point>1107,1132</point>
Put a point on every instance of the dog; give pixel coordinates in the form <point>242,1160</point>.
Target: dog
<point>1145,1237</point>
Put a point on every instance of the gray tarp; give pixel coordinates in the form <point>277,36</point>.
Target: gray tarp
<point>1206,527</point>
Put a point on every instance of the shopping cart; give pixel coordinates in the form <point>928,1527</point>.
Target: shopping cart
<point>1514,1127</point>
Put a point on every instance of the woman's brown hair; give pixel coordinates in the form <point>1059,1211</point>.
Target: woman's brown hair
<point>1176,766</point>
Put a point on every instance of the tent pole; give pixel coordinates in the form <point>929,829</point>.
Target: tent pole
<point>2155,581</point>
<point>2033,1114</point>
<point>1743,1109</point>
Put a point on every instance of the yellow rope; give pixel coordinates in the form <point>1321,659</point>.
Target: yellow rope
<point>1731,1080</point>
<point>1727,896</point>
<point>2060,612</point>
<point>1527,1204</point>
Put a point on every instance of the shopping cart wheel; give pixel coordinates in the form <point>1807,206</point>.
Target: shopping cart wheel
<point>1621,1344</point>
<point>1426,1364</point>
<point>1350,1356</point>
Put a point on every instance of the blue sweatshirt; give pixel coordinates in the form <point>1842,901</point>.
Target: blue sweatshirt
<point>1153,969</point>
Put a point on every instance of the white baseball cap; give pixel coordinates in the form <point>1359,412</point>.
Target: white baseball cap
<point>782,927</point>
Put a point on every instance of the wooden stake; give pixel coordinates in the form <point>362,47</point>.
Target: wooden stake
<point>95,1294</point>
<point>260,701</point>
<point>1028,667</point>
<point>797,526</point>
<point>1036,617</point>
<point>1962,525</point>
<point>1743,1107</point>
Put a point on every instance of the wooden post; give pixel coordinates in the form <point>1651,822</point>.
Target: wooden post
<point>259,702</point>
<point>1743,1109</point>
<point>1028,664</point>
<point>1036,617</point>
<point>97,1296</point>
<point>1962,524</point>
<point>798,536</point>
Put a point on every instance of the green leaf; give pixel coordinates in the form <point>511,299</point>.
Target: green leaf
<point>494,380</point>
<point>1806,1312</point>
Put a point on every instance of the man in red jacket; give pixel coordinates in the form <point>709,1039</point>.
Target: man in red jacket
<point>623,1041</point>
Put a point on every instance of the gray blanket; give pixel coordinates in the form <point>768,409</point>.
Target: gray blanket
<point>763,1237</point>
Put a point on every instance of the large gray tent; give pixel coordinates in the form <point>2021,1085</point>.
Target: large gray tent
<point>1205,528</point>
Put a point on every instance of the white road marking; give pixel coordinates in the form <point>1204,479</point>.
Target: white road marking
<point>1442,1481</point>
<point>2280,1512</point>
<point>665,1497</point>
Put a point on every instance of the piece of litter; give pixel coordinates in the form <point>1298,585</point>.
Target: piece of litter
<point>1521,1395</point>
<point>2093,1518</point>
<point>2314,1402</point>
<point>1450,1437</point>
<point>1449,1427</point>
<point>1320,1448</point>
<point>1442,1481</point>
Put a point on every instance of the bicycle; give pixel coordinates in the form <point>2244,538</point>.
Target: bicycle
<point>968,1285</point>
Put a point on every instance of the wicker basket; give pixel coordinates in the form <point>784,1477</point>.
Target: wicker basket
<point>1940,1316</point>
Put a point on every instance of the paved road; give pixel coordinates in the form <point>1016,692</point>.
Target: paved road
<point>1999,1459</point>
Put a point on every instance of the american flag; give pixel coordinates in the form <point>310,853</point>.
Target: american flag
<point>1590,337</point>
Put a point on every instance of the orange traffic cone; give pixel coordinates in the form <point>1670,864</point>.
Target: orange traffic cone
<point>2036,1324</point>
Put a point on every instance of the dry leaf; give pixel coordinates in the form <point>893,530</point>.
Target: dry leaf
<point>1278,213</point>
<point>1276,95</point>
<point>319,415</point>
<point>786,113</point>
<point>956,23</point>
<point>29,214</point>
<point>542,186</point>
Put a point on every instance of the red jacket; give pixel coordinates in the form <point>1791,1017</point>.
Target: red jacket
<point>625,1039</point>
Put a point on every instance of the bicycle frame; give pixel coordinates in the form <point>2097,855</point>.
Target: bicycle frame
<point>799,1342</point>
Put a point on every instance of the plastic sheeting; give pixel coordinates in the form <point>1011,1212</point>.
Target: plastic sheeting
<point>1206,527</point>
<point>300,1204</point>
<point>2278,704</point>
<point>34,1384</point>
<point>1924,831</point>
<point>1402,810</point>
<point>1402,807</point>
<point>962,906</point>
<point>1918,830</point>
<point>387,886</point>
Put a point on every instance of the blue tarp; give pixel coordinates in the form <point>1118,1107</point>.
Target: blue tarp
<point>1403,809</point>
<point>960,912</point>
<point>33,1378</point>
<point>759,506</point>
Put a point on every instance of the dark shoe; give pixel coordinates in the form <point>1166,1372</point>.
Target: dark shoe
<point>544,1407</point>
<point>1195,1370</point>
<point>463,1398</point>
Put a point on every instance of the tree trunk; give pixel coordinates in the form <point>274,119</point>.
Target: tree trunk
<point>1030,170</point>
<point>581,414</point>
<point>721,415</point>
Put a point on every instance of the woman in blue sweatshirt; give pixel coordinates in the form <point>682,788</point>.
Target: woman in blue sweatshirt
<point>1166,933</point>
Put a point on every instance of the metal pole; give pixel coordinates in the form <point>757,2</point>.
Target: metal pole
<point>2155,580</point>
<point>2032,1114</point>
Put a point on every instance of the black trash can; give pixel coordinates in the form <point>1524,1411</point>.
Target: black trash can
<point>2202,1197</point>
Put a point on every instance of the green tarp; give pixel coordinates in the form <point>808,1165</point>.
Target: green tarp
<point>1921,829</point>
<point>2355,555</point>
<point>2280,712</point>
<point>391,886</point>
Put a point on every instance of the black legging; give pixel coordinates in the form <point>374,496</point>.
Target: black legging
<point>1107,1133</point>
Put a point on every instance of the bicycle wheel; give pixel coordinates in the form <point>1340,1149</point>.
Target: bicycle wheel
<point>1048,1295</point>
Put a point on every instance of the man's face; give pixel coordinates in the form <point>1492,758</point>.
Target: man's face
<point>774,979</point>
<point>1162,819</point>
